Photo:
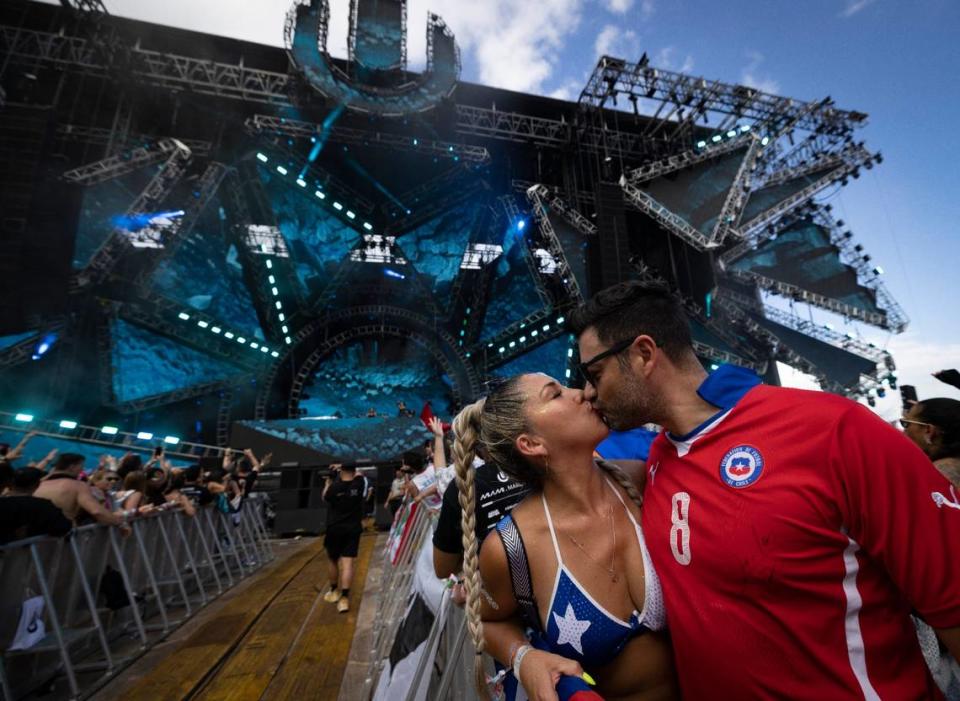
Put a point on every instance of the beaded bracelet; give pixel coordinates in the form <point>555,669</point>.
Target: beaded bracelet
<point>518,658</point>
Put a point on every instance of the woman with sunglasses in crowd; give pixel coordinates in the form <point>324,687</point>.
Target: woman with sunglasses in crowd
<point>934,425</point>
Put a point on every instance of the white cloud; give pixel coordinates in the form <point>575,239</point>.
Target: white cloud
<point>665,59</point>
<point>568,91</point>
<point>613,41</point>
<point>753,79</point>
<point>515,44</point>
<point>854,6</point>
<point>618,7</point>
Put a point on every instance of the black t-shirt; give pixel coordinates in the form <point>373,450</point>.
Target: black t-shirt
<point>345,512</point>
<point>23,517</point>
<point>497,494</point>
<point>197,494</point>
<point>247,482</point>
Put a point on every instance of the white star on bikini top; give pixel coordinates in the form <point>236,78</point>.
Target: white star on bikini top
<point>571,629</point>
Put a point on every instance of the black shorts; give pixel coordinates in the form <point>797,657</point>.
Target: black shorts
<point>341,544</point>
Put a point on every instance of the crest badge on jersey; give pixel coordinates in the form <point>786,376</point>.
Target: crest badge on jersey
<point>741,466</point>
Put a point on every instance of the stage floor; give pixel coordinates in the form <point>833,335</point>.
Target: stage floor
<point>272,637</point>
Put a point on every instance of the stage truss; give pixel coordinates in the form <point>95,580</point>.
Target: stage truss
<point>680,123</point>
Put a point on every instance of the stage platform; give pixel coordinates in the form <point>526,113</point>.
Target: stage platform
<point>271,637</point>
<point>317,441</point>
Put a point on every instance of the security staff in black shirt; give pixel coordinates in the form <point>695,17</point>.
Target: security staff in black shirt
<point>344,492</point>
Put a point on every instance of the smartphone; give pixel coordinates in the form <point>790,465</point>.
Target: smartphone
<point>908,396</point>
<point>158,451</point>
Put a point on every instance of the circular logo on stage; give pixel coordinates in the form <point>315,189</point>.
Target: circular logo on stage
<point>741,466</point>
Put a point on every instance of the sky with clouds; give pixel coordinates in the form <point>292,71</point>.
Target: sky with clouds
<point>895,61</point>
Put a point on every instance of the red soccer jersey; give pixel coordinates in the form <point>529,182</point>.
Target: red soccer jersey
<point>793,536</point>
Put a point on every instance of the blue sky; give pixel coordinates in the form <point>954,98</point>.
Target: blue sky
<point>896,61</point>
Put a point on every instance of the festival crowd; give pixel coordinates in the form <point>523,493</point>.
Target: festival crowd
<point>51,496</point>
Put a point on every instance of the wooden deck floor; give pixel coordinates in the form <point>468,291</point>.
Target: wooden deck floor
<point>279,640</point>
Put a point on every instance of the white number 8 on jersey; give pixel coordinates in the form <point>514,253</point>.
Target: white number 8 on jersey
<point>680,531</point>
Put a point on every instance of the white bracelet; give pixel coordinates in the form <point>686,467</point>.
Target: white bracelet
<point>518,658</point>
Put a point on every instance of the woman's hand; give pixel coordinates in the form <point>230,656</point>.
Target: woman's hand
<point>436,426</point>
<point>540,671</point>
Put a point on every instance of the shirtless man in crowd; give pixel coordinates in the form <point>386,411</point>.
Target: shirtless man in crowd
<point>72,496</point>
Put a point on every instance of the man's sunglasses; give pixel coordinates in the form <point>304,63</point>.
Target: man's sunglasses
<point>904,422</point>
<point>616,348</point>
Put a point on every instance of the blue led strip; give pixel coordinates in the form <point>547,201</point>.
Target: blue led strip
<point>344,212</point>
<point>219,330</point>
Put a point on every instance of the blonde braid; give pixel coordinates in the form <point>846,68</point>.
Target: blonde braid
<point>466,428</point>
<point>623,479</point>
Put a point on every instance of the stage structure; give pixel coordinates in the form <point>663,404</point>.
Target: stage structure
<point>211,230</point>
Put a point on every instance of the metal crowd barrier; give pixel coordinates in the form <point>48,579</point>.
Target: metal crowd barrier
<point>450,676</point>
<point>108,598</point>
<point>394,587</point>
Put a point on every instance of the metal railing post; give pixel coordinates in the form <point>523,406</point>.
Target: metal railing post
<point>127,584</point>
<point>91,604</point>
<point>191,560</point>
<point>175,566</point>
<point>148,568</point>
<point>218,544</point>
<point>198,525</point>
<point>54,621</point>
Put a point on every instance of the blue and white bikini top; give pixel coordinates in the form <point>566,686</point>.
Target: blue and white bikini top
<point>577,626</point>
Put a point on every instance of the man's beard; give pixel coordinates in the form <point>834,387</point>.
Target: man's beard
<point>630,407</point>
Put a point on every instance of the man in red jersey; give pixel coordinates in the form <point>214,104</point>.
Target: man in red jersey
<point>793,532</point>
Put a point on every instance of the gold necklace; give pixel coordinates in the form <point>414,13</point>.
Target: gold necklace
<point>611,572</point>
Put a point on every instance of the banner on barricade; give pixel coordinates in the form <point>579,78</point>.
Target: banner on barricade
<point>400,531</point>
<point>30,629</point>
<point>425,604</point>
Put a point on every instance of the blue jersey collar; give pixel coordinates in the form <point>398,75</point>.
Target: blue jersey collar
<point>723,388</point>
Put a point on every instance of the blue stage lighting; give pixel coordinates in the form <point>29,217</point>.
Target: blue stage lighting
<point>44,345</point>
<point>281,170</point>
<point>172,440</point>
<point>394,274</point>
<point>109,430</point>
<point>262,157</point>
<point>68,424</point>
<point>23,418</point>
<point>521,225</point>
<point>144,436</point>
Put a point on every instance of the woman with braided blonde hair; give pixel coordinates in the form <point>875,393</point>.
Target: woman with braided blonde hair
<point>568,586</point>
